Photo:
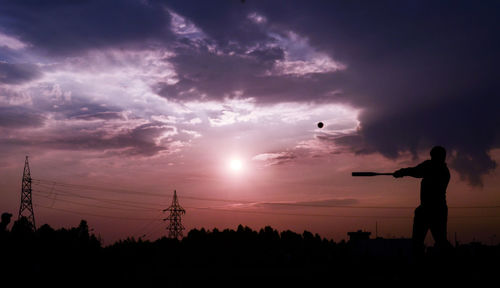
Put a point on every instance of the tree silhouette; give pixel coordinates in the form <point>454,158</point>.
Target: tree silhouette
<point>222,258</point>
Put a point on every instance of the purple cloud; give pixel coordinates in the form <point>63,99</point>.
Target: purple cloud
<point>18,73</point>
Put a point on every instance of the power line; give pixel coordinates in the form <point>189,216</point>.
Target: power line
<point>95,206</point>
<point>148,206</point>
<point>91,214</point>
<point>105,200</point>
<point>309,204</point>
<point>143,230</point>
<point>327,215</point>
<point>156,228</point>
<point>296,214</point>
<point>200,208</point>
<point>259,212</point>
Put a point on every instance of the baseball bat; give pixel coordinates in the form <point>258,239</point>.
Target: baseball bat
<point>355,174</point>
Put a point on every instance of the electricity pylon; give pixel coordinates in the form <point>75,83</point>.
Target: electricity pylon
<point>175,226</point>
<point>26,208</point>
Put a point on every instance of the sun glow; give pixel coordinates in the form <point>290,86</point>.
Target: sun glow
<point>235,165</point>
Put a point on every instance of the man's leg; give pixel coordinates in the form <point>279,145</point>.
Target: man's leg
<point>438,227</point>
<point>420,227</point>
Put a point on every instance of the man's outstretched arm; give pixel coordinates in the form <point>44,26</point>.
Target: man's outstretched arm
<point>417,171</point>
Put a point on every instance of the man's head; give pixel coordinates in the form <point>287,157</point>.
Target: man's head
<point>438,154</point>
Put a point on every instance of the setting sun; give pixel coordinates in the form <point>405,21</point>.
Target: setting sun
<point>235,165</point>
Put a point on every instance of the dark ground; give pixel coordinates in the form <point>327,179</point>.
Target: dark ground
<point>229,258</point>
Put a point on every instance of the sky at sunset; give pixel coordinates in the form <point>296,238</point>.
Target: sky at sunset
<point>119,103</point>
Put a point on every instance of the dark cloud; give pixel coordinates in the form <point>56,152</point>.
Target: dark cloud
<point>67,27</point>
<point>76,106</point>
<point>136,141</point>
<point>99,116</point>
<point>268,56</point>
<point>226,22</point>
<point>140,140</point>
<point>471,167</point>
<point>352,140</point>
<point>105,128</point>
<point>8,55</point>
<point>18,73</point>
<point>423,72</point>
<point>205,75</point>
<point>20,117</point>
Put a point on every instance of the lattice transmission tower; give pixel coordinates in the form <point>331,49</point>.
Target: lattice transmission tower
<point>26,208</point>
<point>175,226</point>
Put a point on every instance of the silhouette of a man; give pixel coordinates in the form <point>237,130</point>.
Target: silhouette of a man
<point>432,214</point>
<point>3,227</point>
<point>5,222</point>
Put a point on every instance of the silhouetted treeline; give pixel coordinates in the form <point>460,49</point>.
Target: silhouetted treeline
<point>228,258</point>
<point>48,255</point>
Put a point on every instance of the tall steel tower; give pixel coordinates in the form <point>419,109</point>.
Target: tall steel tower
<point>26,208</point>
<point>175,226</point>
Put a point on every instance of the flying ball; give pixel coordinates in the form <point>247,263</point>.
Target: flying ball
<point>320,124</point>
